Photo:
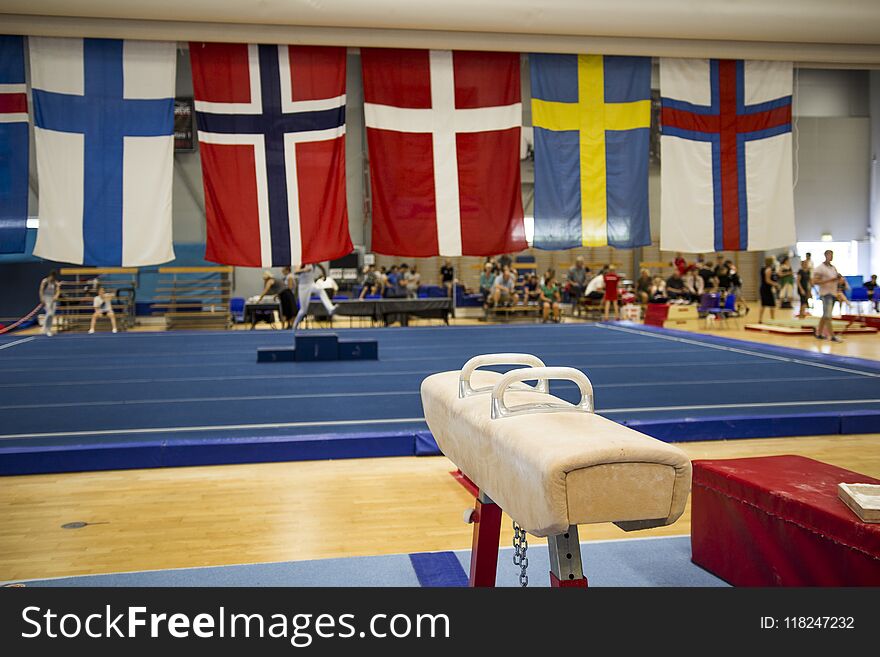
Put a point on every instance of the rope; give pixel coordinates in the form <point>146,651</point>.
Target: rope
<point>7,329</point>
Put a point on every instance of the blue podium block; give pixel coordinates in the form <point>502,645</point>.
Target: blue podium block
<point>275,355</point>
<point>317,346</point>
<point>358,350</point>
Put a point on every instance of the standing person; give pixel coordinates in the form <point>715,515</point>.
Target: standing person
<point>286,298</point>
<point>804,287</point>
<point>680,264</point>
<point>768,286</point>
<point>786,282</point>
<point>612,278</point>
<point>272,287</point>
<point>871,289</point>
<point>576,282</point>
<point>102,306</point>
<point>826,277</point>
<point>549,299</point>
<point>505,260</point>
<point>50,290</point>
<point>447,277</point>
<point>306,277</point>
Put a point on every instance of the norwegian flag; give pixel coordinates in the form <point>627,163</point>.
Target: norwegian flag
<point>13,146</point>
<point>444,143</point>
<point>271,128</point>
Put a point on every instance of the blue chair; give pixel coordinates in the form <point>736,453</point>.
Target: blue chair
<point>236,309</point>
<point>727,310</point>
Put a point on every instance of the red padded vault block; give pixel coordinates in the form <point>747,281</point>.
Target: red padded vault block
<point>777,521</point>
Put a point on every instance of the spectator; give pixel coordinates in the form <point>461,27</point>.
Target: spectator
<point>871,288</point>
<point>693,283</point>
<point>103,306</point>
<point>705,271</point>
<point>675,288</point>
<point>842,287</point>
<point>286,298</point>
<point>505,260</point>
<point>768,286</point>
<point>807,263</point>
<point>719,262</point>
<point>723,276</point>
<point>502,289</point>
<point>595,288</point>
<point>549,298</point>
<point>490,261</point>
<point>826,276</point>
<point>447,277</point>
<point>611,293</point>
<point>532,290</point>
<point>786,282</point>
<point>371,282</point>
<point>271,286</point>
<point>658,291</point>
<point>576,282</point>
<point>50,290</point>
<point>643,286</point>
<point>680,264</point>
<point>804,286</point>
<point>413,283</point>
<point>487,280</point>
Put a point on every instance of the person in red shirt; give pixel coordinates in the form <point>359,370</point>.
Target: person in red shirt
<point>612,278</point>
<point>680,264</point>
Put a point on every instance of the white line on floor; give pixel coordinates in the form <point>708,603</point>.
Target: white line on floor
<point>409,420</point>
<point>22,341</point>
<point>719,347</point>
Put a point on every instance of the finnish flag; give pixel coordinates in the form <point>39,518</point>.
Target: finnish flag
<point>104,124</point>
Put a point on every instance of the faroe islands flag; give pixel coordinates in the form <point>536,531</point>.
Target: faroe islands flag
<point>103,124</point>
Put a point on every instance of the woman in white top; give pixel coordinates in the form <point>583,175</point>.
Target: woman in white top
<point>102,305</point>
<point>50,290</point>
<point>306,287</point>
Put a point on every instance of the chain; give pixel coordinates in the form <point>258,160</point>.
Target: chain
<point>520,547</point>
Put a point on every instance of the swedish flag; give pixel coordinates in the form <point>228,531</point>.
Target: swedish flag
<point>592,118</point>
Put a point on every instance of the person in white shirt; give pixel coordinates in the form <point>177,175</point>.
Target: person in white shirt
<point>50,290</point>
<point>827,278</point>
<point>306,286</point>
<point>102,305</point>
<point>595,288</point>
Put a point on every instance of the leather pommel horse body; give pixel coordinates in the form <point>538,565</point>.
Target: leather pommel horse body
<point>549,464</point>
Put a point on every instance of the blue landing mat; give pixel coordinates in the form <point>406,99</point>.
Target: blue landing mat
<point>628,562</point>
<point>78,402</point>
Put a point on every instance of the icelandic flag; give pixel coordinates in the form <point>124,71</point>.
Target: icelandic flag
<point>444,140</point>
<point>103,127</point>
<point>271,127</point>
<point>592,120</point>
<point>13,146</point>
<point>726,174</point>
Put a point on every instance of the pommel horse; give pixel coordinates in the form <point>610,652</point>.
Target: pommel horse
<point>549,464</point>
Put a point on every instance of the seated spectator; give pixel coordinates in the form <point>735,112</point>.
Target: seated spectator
<point>694,285</point>
<point>487,280</point>
<point>502,289</point>
<point>705,271</point>
<point>643,286</point>
<point>504,260</point>
<point>871,288</point>
<point>395,289</point>
<point>657,292</point>
<point>371,282</point>
<point>532,290</point>
<point>595,288</point>
<point>493,264</point>
<point>549,299</point>
<point>675,288</point>
<point>412,279</point>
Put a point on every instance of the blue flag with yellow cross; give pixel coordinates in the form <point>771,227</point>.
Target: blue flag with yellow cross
<point>592,119</point>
